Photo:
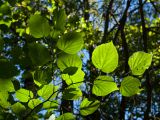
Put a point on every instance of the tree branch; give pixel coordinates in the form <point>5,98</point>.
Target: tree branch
<point>148,81</point>
<point>108,11</point>
<point>126,55</point>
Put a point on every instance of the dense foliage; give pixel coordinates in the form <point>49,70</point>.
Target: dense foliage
<point>79,59</point>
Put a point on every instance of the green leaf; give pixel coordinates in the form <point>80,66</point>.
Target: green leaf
<point>39,54</point>
<point>52,117</point>
<point>70,70</point>
<point>88,107</point>
<point>66,116</point>
<point>139,62</point>
<point>130,86</point>
<point>6,85</point>
<point>60,19</point>
<point>5,9</point>
<point>7,70</point>
<point>65,60</point>
<point>76,79</point>
<point>33,103</point>
<point>70,42</point>
<point>104,85</point>
<point>24,95</point>
<point>50,105</point>
<point>37,83</point>
<point>3,99</point>
<point>5,23</point>
<point>105,57</point>
<point>55,34</point>
<point>18,108</point>
<point>47,91</point>
<point>39,26</point>
<point>72,93</point>
<point>43,76</point>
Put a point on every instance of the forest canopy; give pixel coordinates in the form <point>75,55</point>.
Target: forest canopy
<point>79,59</point>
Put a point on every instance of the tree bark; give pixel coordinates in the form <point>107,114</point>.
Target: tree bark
<point>125,54</point>
<point>108,11</point>
<point>145,45</point>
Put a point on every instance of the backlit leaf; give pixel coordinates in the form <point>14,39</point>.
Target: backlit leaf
<point>48,90</point>
<point>24,95</point>
<point>43,76</point>
<point>70,42</point>
<point>6,85</point>
<point>88,107</point>
<point>39,26</point>
<point>50,105</point>
<point>76,79</point>
<point>105,57</point>
<point>103,85</point>
<point>66,116</point>
<point>18,108</point>
<point>139,62</point>
<point>65,60</point>
<point>70,70</point>
<point>4,99</point>
<point>130,86</point>
<point>72,93</point>
<point>33,103</point>
<point>60,19</point>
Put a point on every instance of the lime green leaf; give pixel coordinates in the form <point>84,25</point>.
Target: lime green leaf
<point>88,107</point>
<point>39,26</point>
<point>65,60</point>
<point>43,76</point>
<point>6,85</point>
<point>47,91</point>
<point>39,54</point>
<point>52,117</point>
<point>70,42</point>
<point>18,108</point>
<point>70,70</point>
<point>3,99</point>
<point>76,79</point>
<point>105,57</point>
<point>66,116</point>
<point>37,83</point>
<point>139,62</point>
<point>72,93</point>
<point>130,86</point>
<point>7,23</point>
<point>24,95</point>
<point>33,103</point>
<point>50,105</point>
<point>103,85</point>
<point>7,70</point>
<point>60,20</point>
